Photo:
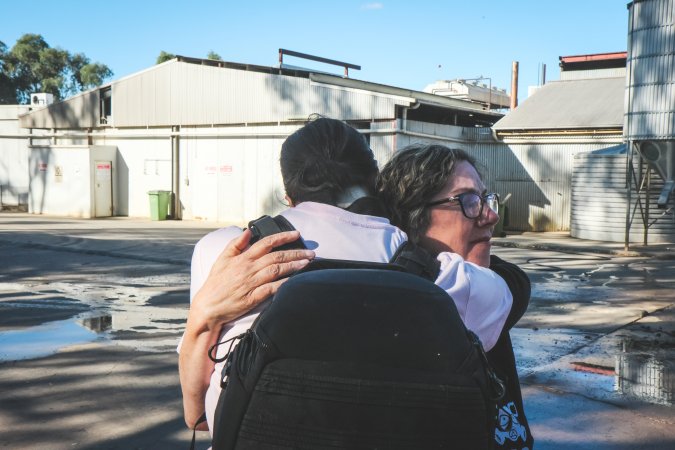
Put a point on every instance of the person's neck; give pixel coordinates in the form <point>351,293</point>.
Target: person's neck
<point>349,196</point>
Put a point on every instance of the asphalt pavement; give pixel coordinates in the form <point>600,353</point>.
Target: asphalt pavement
<point>108,298</point>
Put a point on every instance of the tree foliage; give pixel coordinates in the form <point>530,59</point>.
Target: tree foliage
<point>213,55</point>
<point>164,57</point>
<point>31,65</point>
<point>7,94</point>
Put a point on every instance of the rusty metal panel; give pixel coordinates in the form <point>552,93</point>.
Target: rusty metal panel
<point>650,99</point>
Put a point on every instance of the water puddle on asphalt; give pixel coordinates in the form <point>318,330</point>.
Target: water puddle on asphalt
<point>46,339</point>
<point>142,329</point>
<point>645,377</point>
<point>39,320</point>
<point>636,365</point>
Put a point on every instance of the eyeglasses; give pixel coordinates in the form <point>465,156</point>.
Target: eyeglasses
<point>471,203</point>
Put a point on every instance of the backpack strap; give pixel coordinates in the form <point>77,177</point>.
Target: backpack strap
<point>416,260</point>
<point>267,226</point>
<point>201,419</point>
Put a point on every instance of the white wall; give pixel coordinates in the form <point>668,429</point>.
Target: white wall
<point>234,179</point>
<point>226,174</point>
<point>14,154</point>
<point>143,164</point>
<point>60,181</point>
<point>231,174</point>
<point>149,164</point>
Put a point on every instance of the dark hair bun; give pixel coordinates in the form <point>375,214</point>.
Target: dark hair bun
<point>324,158</point>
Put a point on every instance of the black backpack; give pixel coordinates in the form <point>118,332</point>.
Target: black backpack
<point>354,355</point>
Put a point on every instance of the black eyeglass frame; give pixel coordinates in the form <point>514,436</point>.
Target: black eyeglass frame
<point>459,198</point>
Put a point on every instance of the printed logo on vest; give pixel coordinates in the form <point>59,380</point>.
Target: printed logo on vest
<point>508,426</point>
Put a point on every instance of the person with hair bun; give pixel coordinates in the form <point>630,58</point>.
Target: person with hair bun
<point>329,174</point>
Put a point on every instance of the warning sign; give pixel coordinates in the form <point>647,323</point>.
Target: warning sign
<point>58,173</point>
<point>103,172</point>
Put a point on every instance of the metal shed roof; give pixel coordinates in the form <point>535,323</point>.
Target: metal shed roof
<point>570,105</point>
<point>189,91</point>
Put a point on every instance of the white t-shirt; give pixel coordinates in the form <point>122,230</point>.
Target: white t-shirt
<point>481,296</point>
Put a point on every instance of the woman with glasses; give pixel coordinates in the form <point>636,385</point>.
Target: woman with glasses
<point>436,195</point>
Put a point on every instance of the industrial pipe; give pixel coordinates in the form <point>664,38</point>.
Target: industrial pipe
<point>514,85</point>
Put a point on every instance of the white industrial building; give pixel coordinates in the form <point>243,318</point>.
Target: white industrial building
<point>210,132</point>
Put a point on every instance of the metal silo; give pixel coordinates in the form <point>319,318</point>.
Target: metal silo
<point>649,124</point>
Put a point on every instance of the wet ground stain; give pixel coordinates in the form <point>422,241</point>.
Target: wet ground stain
<point>633,363</point>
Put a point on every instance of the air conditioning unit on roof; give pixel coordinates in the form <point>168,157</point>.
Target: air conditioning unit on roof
<point>41,99</point>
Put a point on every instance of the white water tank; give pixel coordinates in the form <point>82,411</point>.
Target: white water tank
<point>599,196</point>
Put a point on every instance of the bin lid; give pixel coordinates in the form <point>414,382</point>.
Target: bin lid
<point>158,192</point>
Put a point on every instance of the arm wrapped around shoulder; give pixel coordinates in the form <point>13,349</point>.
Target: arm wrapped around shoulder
<point>519,285</point>
<point>482,297</point>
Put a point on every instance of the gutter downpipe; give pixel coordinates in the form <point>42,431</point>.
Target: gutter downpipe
<point>175,174</point>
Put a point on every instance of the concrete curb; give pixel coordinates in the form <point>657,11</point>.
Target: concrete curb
<point>535,243</point>
<point>568,248</point>
<point>113,254</point>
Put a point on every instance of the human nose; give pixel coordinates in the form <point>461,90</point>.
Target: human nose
<point>488,216</point>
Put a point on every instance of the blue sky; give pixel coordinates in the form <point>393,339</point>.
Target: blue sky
<point>407,44</point>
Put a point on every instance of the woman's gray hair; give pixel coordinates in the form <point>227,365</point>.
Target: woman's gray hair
<point>412,178</point>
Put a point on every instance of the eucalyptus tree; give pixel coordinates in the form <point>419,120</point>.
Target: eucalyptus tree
<point>31,65</point>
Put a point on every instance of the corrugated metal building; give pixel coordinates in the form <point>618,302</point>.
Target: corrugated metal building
<point>650,120</point>
<point>540,139</point>
<point>211,131</point>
